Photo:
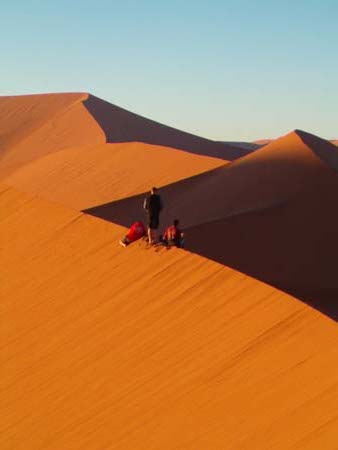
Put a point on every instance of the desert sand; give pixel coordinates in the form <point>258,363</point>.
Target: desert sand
<point>199,348</point>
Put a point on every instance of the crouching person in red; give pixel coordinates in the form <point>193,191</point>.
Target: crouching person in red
<point>137,230</point>
<point>173,235</point>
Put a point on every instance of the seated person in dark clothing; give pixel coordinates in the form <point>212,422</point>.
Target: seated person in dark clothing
<point>173,235</point>
<point>153,206</point>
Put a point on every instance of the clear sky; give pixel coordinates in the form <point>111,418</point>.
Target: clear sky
<point>222,69</point>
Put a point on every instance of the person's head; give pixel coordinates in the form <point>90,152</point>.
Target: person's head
<point>153,190</point>
<point>176,222</point>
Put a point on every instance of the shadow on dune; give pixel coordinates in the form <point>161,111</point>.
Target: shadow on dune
<point>267,245</point>
<point>271,215</point>
<point>120,125</point>
<point>325,150</point>
<point>287,257</point>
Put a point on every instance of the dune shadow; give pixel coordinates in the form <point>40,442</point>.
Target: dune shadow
<point>325,150</point>
<point>120,125</point>
<point>251,244</point>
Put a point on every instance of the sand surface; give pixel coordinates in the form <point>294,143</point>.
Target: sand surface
<point>86,176</point>
<point>104,347</point>
<point>110,348</point>
<point>270,214</point>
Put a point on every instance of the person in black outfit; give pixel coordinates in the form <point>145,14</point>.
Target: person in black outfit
<point>153,206</point>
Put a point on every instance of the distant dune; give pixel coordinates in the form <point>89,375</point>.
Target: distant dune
<point>141,348</point>
<point>32,126</point>
<point>244,145</point>
<point>104,347</point>
<point>85,176</point>
<point>261,142</point>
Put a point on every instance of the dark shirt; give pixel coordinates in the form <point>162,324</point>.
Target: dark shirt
<point>153,204</point>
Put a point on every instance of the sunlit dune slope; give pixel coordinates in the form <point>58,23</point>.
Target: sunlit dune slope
<point>32,126</point>
<point>86,176</point>
<point>270,214</point>
<point>294,165</point>
<point>35,125</point>
<point>112,348</point>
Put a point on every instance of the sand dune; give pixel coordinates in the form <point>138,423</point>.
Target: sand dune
<point>261,142</point>
<point>85,176</point>
<point>120,125</point>
<point>33,126</point>
<point>112,348</point>
<point>270,214</point>
<point>104,347</point>
<point>269,177</point>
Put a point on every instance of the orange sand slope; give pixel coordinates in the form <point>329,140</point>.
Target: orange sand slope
<point>82,177</point>
<point>35,125</point>
<point>270,214</point>
<point>109,348</point>
<point>279,173</point>
<point>32,126</point>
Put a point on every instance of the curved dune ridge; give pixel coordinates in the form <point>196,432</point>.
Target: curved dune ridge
<point>269,214</point>
<point>32,126</point>
<point>292,166</point>
<point>108,348</point>
<point>85,176</point>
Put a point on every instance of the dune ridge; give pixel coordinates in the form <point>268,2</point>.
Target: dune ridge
<point>269,214</point>
<point>33,126</point>
<point>114,349</point>
<point>85,176</point>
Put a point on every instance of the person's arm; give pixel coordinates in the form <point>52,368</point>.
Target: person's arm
<point>146,203</point>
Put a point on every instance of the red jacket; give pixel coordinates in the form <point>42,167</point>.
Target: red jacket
<point>136,231</point>
<point>172,233</point>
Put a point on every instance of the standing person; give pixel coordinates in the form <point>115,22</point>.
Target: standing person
<point>153,206</point>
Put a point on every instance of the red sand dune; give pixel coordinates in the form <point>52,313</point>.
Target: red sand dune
<point>112,348</point>
<point>261,142</point>
<point>85,176</point>
<point>270,214</point>
<point>109,348</point>
<point>32,126</point>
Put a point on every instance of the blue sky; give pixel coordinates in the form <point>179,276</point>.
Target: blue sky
<point>226,70</point>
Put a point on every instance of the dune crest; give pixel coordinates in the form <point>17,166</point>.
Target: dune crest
<point>33,126</point>
<point>269,214</point>
<point>85,176</point>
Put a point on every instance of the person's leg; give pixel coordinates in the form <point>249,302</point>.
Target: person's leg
<point>124,242</point>
<point>155,236</point>
<point>150,235</point>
